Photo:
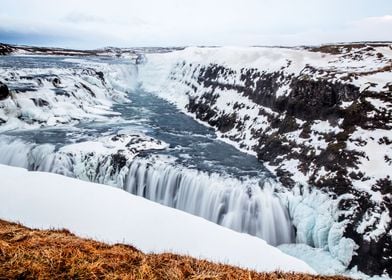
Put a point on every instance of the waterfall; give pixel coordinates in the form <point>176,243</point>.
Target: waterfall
<point>122,77</point>
<point>248,205</point>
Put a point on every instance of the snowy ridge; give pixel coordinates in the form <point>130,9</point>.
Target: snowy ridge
<point>315,116</point>
<point>46,203</point>
<point>6,49</point>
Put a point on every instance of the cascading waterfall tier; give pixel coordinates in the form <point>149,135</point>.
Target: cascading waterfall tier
<point>243,205</point>
<point>248,205</point>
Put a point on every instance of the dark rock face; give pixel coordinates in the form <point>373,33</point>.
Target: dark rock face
<point>306,102</point>
<point>5,49</point>
<point>56,82</point>
<point>118,162</point>
<point>4,92</point>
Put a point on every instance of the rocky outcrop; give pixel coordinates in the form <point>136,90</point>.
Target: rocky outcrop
<point>5,49</point>
<point>4,92</point>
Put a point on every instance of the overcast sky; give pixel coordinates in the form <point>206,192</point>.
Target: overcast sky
<point>98,23</point>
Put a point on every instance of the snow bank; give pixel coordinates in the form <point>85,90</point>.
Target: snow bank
<point>44,200</point>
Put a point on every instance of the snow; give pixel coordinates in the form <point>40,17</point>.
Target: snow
<point>379,221</point>
<point>375,82</point>
<point>374,163</point>
<point>271,59</point>
<point>379,104</point>
<point>325,127</point>
<point>291,165</point>
<point>46,201</point>
<point>347,104</point>
<point>315,140</point>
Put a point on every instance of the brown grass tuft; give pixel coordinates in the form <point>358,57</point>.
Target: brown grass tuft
<point>58,254</point>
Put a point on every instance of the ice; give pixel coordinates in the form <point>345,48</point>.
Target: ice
<point>340,247</point>
<point>319,259</point>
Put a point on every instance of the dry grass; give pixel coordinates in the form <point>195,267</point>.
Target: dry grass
<point>41,254</point>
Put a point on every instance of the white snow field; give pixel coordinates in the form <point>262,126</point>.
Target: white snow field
<point>50,201</point>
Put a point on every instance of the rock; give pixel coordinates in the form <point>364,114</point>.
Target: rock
<point>56,82</point>
<point>5,49</point>
<point>4,92</point>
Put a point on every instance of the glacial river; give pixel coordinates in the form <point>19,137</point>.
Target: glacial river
<point>206,177</point>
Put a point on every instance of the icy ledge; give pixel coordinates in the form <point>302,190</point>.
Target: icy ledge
<point>45,201</point>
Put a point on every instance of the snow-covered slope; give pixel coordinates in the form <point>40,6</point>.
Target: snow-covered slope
<point>315,116</point>
<point>44,200</point>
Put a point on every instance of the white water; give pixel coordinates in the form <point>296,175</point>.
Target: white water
<point>245,206</point>
<point>248,206</point>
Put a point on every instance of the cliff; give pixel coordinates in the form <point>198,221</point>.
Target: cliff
<point>319,117</point>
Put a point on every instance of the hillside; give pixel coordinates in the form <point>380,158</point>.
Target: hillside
<point>48,254</point>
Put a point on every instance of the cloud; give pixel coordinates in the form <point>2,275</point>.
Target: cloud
<point>364,29</point>
<point>77,17</point>
<point>373,28</point>
<point>90,24</point>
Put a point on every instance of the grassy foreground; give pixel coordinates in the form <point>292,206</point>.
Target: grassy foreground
<point>58,254</point>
